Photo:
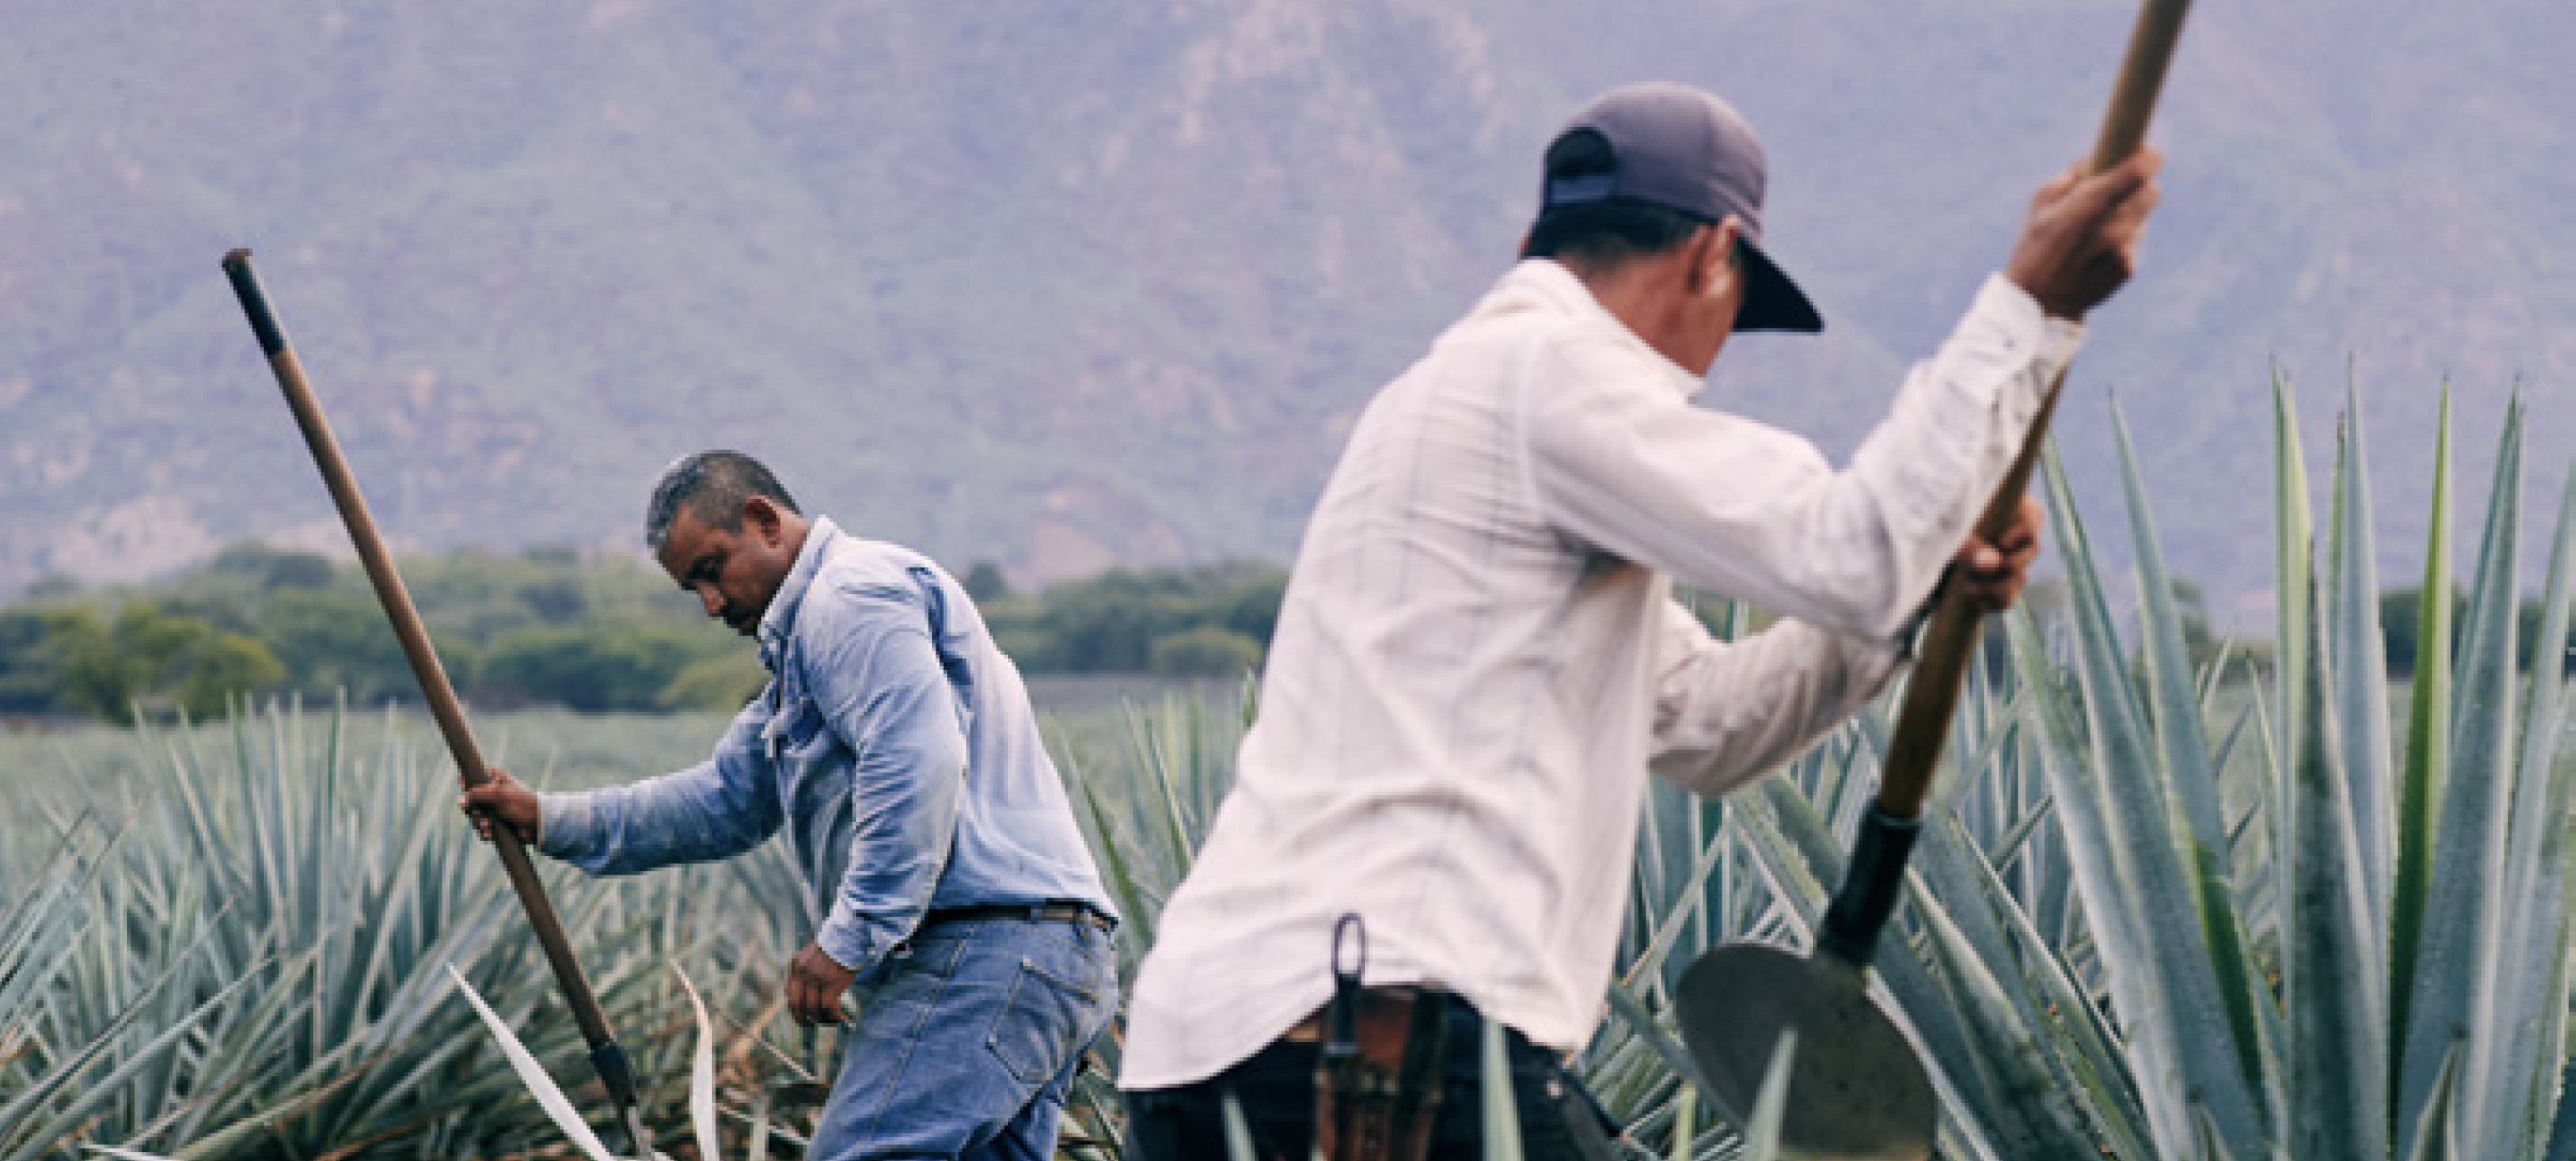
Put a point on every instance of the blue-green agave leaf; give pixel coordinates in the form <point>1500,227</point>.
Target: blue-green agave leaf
<point>2428,745</point>
<point>2522,966</point>
<point>2168,987</point>
<point>558,1107</point>
<point>2191,781</point>
<point>1771,1102</point>
<point>1238,1135</point>
<point>2330,963</point>
<point>2031,1110</point>
<point>2293,532</point>
<point>2087,1061</point>
<point>2360,655</point>
<point>2434,1135</point>
<point>702,1072</point>
<point>2461,912</point>
<point>1502,1113</point>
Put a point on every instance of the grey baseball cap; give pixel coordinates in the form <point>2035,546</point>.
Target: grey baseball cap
<point>1681,148</point>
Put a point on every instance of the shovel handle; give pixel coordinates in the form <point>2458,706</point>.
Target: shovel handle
<point>606,1056</point>
<point>1923,722</point>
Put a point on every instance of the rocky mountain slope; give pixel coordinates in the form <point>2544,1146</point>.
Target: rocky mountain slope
<point>1058,285</point>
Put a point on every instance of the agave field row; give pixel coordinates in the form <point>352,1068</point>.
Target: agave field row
<point>2164,908</point>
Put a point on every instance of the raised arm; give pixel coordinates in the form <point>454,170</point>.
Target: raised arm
<point>1621,460</point>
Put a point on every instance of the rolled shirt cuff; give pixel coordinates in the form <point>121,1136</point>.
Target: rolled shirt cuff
<point>2013,322</point>
<point>567,824</point>
<point>2058,341</point>
<point>2022,322</point>
<point>844,937</point>
<point>1871,664</point>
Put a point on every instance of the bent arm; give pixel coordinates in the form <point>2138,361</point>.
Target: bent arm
<point>888,697</point>
<point>1727,712</point>
<point>718,808</point>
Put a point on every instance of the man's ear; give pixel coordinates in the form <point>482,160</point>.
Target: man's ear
<point>760,517</point>
<point>1713,261</point>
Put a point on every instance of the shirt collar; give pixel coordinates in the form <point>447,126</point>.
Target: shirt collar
<point>780,620</point>
<point>1545,284</point>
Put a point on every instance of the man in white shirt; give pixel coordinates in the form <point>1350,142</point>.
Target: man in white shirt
<point>1479,657</point>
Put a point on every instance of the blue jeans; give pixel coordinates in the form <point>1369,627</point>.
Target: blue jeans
<point>967,1038</point>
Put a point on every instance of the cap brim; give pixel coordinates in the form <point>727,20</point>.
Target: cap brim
<point>1771,301</point>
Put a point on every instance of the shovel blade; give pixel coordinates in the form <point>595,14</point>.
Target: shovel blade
<point>1856,1090</point>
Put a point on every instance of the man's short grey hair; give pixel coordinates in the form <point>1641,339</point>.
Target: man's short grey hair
<point>714,485</point>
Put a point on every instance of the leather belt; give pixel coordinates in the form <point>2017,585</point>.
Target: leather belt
<point>1378,1004</point>
<point>1028,912</point>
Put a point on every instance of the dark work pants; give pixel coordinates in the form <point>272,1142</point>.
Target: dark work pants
<point>1276,1088</point>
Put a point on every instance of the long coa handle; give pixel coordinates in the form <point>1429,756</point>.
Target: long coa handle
<point>605,1054</point>
<point>1876,874</point>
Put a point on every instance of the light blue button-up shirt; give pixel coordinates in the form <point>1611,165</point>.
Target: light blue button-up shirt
<point>895,744</point>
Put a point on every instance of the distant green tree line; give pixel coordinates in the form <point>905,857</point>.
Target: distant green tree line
<point>1211,620</point>
<point>548,627</point>
<point>544,626</point>
<point>2400,609</point>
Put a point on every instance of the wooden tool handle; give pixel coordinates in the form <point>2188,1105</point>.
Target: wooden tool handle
<point>1924,720</point>
<point>426,669</point>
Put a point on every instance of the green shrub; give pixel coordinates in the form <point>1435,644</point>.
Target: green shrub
<point>1206,651</point>
<point>721,682</point>
<point>147,661</point>
<point>593,667</point>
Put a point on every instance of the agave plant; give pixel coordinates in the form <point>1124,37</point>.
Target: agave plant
<point>56,1075</point>
<point>252,971</point>
<point>2283,941</point>
<point>2410,987</point>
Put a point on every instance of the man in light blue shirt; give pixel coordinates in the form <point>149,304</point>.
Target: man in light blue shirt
<point>896,746</point>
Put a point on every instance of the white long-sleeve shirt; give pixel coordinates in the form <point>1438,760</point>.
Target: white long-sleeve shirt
<point>1479,657</point>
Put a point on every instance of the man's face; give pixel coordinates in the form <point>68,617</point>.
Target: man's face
<point>733,574</point>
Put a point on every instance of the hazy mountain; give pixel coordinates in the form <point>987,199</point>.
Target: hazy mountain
<point>1055,284</point>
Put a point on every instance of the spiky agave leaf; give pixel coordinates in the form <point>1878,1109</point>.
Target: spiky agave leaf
<point>2562,1134</point>
<point>551,1098</point>
<point>2330,964</point>
<point>702,1072</point>
<point>2057,1085</point>
<point>2167,988</point>
<point>2028,1111</point>
<point>1238,1135</point>
<point>2359,652</point>
<point>2460,935</point>
<point>2436,1133</point>
<point>2191,780</point>
<point>1676,914</point>
<point>28,1129</point>
<point>1502,1112</point>
<point>1771,1101</point>
<point>2293,536</point>
<point>2428,746</point>
<point>1625,1005</point>
<point>2523,953</point>
<point>41,925</point>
